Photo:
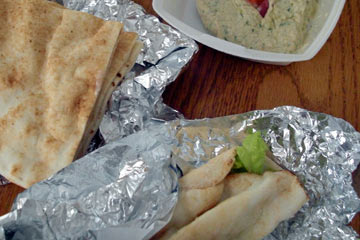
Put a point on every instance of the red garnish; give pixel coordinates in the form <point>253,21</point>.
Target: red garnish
<point>261,5</point>
<point>256,2</point>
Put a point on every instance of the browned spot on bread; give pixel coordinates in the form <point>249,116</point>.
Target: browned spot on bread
<point>101,42</point>
<point>30,128</point>
<point>113,84</point>
<point>51,143</point>
<point>92,132</point>
<point>50,140</point>
<point>119,75</point>
<point>3,124</point>
<point>11,116</point>
<point>230,162</point>
<point>77,104</point>
<point>14,79</point>
<point>16,170</point>
<point>38,112</point>
<point>11,80</point>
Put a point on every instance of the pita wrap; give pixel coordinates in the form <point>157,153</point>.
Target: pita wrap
<point>288,200</point>
<point>191,204</point>
<point>243,206</point>
<point>195,199</point>
<point>211,173</point>
<point>56,70</point>
<point>250,214</point>
<point>237,183</point>
<point>198,192</point>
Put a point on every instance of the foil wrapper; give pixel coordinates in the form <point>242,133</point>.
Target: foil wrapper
<point>321,150</point>
<point>124,190</point>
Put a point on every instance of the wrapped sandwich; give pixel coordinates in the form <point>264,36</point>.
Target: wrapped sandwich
<point>240,194</point>
<point>58,69</point>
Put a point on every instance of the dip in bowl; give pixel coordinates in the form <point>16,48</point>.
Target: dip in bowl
<point>183,15</point>
<point>280,27</point>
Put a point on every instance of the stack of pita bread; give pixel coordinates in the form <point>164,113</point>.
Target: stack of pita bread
<point>58,68</point>
<point>214,204</point>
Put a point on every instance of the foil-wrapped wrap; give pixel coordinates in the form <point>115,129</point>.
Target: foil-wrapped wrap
<point>124,190</point>
<point>129,186</point>
<point>321,150</point>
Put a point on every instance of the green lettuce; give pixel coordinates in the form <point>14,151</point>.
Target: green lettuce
<point>251,155</point>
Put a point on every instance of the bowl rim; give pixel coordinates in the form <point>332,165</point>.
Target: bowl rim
<point>252,54</point>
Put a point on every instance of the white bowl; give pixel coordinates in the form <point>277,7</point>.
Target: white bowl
<point>182,14</point>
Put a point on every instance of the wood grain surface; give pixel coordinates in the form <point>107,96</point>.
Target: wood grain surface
<point>215,84</point>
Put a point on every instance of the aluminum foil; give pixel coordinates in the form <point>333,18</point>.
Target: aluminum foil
<point>124,190</point>
<point>129,186</point>
<point>321,150</point>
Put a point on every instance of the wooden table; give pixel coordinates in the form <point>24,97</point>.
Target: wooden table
<point>216,84</point>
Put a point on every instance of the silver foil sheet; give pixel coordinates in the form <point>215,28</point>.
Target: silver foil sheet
<point>129,186</point>
<point>321,150</point>
<point>124,190</point>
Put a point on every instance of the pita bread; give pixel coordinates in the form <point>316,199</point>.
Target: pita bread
<point>198,193</point>
<point>252,212</point>
<point>57,66</point>
<point>211,173</point>
<point>283,206</point>
<point>191,204</point>
<point>124,59</point>
<point>237,183</point>
<point>214,204</point>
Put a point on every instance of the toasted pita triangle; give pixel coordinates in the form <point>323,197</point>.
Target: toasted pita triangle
<point>124,59</point>
<point>55,66</point>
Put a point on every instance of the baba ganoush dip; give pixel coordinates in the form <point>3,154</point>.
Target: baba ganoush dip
<point>283,28</point>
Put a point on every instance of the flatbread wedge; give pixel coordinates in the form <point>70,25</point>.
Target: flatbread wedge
<point>211,173</point>
<point>57,70</point>
<point>124,58</point>
<point>217,203</point>
<point>250,214</point>
<point>201,189</point>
